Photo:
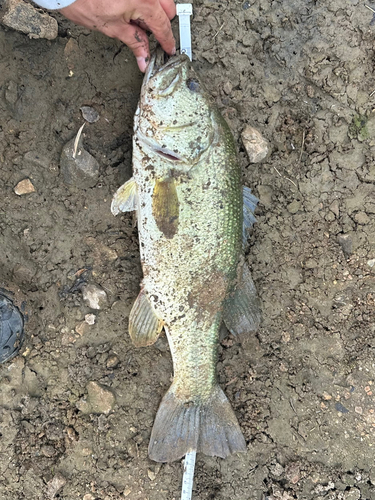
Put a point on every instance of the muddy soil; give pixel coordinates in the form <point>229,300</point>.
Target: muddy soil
<point>77,406</point>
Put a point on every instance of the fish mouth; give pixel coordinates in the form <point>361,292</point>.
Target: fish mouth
<point>161,62</point>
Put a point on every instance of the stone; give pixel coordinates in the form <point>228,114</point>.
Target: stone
<point>55,485</point>
<point>346,243</point>
<point>352,494</point>
<point>88,496</point>
<point>26,18</point>
<point>151,475</point>
<point>78,167</point>
<point>82,328</point>
<point>112,361</point>
<point>294,207</point>
<point>100,399</point>
<point>89,114</point>
<point>24,187</point>
<point>94,296</point>
<point>90,319</point>
<point>255,144</point>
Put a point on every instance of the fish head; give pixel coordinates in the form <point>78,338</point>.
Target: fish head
<point>175,114</point>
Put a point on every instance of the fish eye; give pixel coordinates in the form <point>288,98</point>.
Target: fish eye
<point>193,84</point>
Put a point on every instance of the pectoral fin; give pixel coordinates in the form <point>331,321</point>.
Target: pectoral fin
<point>165,207</point>
<point>242,312</point>
<point>126,198</point>
<point>144,325</point>
<point>249,205</point>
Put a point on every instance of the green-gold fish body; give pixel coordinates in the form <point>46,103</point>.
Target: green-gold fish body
<point>186,188</point>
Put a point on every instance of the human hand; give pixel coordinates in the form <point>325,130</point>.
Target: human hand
<point>128,21</point>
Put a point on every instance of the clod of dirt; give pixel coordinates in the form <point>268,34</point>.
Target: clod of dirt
<point>94,296</point>
<point>99,399</point>
<point>89,114</point>
<point>24,187</point>
<point>55,485</point>
<point>24,17</point>
<point>77,166</point>
<point>255,144</point>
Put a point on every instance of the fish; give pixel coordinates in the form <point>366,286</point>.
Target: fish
<point>193,218</point>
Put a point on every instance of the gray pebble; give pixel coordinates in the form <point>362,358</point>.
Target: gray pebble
<point>81,171</point>
<point>90,114</point>
<point>346,243</point>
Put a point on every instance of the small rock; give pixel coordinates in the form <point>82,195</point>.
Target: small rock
<point>228,87</point>
<point>276,469</point>
<point>78,167</point>
<point>346,243</point>
<point>24,17</point>
<point>90,114</point>
<point>294,207</point>
<point>90,319</point>
<point>24,187</point>
<point>326,396</point>
<point>112,361</point>
<point>292,473</point>
<point>371,262</point>
<point>311,264</point>
<point>100,399</point>
<point>94,296</point>
<point>341,408</point>
<point>335,208</point>
<point>352,494</point>
<point>48,451</point>
<point>88,496</point>
<point>255,144</point>
<point>151,475</point>
<point>82,328</point>
<point>127,492</point>
<point>55,485</point>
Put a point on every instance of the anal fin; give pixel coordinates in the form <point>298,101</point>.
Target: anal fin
<point>125,198</point>
<point>144,325</point>
<point>242,313</point>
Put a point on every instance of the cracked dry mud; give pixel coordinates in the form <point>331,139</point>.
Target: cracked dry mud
<point>303,388</point>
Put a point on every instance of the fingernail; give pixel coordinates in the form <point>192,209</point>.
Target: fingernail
<point>142,64</point>
<point>173,52</point>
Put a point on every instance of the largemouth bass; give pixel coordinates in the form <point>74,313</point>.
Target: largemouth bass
<point>193,216</point>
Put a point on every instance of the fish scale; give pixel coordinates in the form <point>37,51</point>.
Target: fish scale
<point>186,189</point>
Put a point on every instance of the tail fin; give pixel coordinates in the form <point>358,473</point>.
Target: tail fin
<point>210,427</point>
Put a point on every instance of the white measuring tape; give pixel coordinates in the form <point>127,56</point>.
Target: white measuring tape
<point>188,477</point>
<point>184,11</point>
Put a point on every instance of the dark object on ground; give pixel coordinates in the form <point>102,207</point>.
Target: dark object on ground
<point>24,17</point>
<point>11,329</point>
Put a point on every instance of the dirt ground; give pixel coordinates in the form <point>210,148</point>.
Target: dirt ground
<point>77,407</point>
